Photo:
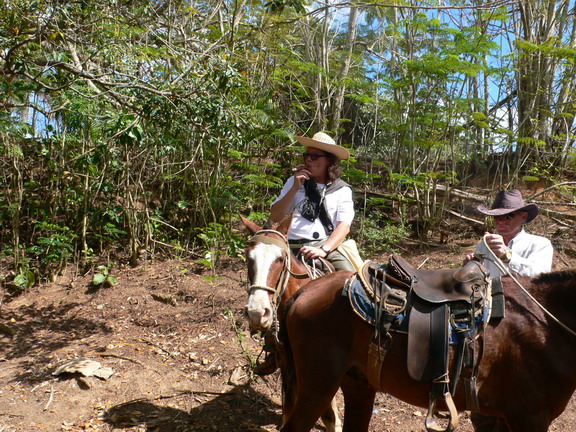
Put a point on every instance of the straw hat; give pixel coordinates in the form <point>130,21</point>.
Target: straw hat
<point>322,141</point>
<point>507,202</point>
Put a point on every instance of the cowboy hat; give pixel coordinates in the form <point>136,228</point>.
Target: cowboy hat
<point>322,141</point>
<point>507,202</point>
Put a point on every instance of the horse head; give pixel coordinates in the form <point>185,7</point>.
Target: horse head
<point>268,260</point>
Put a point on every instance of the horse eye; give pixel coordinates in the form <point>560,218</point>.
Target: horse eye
<point>280,259</point>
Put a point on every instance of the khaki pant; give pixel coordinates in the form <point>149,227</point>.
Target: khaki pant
<point>339,261</point>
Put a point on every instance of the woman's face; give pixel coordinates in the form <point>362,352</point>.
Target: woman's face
<point>317,163</point>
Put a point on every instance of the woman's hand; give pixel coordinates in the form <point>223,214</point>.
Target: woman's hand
<point>301,174</point>
<point>312,252</point>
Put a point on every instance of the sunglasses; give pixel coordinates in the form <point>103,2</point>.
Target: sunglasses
<point>506,216</point>
<point>313,156</point>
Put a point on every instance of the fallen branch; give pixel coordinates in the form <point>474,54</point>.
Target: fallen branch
<point>461,194</point>
<point>461,216</point>
<point>551,213</point>
<point>50,399</point>
<point>531,197</point>
<point>172,395</point>
<point>129,359</point>
<point>558,221</point>
<point>156,346</point>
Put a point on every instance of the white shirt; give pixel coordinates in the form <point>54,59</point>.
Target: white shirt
<point>531,255</point>
<point>339,205</point>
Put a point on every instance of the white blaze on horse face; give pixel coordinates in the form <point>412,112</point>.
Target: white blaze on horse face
<point>259,308</point>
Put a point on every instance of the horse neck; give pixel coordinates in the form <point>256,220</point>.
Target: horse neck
<point>294,283</point>
<point>299,268</point>
<point>559,290</point>
<point>291,288</point>
<point>555,291</point>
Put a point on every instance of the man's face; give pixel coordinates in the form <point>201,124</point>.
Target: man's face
<point>510,224</point>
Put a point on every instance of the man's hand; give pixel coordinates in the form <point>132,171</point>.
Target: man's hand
<point>468,257</point>
<point>496,243</point>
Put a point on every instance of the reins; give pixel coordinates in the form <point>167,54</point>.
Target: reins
<point>498,262</point>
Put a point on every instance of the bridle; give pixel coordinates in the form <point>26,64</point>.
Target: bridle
<point>282,283</point>
<point>312,271</point>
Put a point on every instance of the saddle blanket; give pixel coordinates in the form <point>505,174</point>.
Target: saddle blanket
<point>364,306</point>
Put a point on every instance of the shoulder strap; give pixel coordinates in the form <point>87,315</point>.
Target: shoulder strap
<point>336,185</point>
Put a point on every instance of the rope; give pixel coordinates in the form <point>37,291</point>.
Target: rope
<point>506,272</point>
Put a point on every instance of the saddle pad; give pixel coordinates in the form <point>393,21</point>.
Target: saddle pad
<point>498,301</point>
<point>363,305</point>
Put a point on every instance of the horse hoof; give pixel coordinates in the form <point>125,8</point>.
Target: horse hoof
<point>267,367</point>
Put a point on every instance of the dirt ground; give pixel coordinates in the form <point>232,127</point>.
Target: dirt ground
<point>179,348</point>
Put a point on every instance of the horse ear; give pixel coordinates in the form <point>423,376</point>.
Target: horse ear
<point>284,225</point>
<point>250,226</point>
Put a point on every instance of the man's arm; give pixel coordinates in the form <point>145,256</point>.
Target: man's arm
<point>538,261</point>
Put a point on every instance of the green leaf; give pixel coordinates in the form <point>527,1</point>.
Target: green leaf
<point>98,279</point>
<point>25,280</point>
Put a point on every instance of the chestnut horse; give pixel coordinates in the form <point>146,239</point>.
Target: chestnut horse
<point>526,366</point>
<point>274,276</point>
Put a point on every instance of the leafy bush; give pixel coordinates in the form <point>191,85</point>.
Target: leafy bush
<point>377,235</point>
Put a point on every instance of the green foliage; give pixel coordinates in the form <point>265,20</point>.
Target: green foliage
<point>129,125</point>
<point>377,235</point>
<point>240,336</point>
<point>102,277</point>
<point>219,240</point>
<point>530,141</point>
<point>54,247</point>
<point>25,279</point>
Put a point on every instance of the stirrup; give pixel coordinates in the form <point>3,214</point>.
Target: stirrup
<point>431,423</point>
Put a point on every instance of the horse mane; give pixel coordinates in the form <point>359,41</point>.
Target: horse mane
<point>556,276</point>
<point>557,286</point>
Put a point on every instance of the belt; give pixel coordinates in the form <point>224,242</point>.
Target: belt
<point>300,241</point>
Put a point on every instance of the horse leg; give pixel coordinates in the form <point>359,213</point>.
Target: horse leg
<point>331,419</point>
<point>358,404</point>
<point>484,423</point>
<point>311,402</point>
<point>533,422</point>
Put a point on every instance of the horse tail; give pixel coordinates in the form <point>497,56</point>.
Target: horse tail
<point>286,362</point>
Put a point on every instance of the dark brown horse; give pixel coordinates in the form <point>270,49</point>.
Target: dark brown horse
<point>274,276</point>
<point>526,373</point>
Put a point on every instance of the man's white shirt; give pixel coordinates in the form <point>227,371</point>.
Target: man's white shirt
<point>531,255</point>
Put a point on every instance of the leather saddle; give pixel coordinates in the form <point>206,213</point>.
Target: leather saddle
<point>440,306</point>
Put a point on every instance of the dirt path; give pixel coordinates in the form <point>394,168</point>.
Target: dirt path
<point>179,349</point>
